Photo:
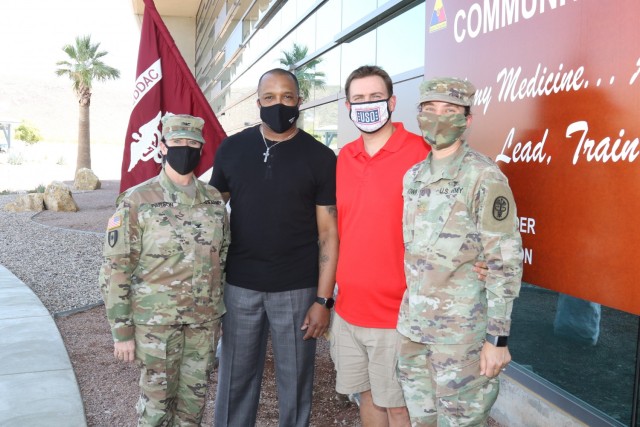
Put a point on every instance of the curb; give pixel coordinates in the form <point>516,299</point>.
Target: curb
<point>77,310</point>
<point>96,233</point>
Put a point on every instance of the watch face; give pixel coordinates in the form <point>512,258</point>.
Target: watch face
<point>327,302</point>
<point>498,341</point>
<point>502,341</point>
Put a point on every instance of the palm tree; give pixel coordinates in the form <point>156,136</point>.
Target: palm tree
<point>85,66</point>
<point>308,77</point>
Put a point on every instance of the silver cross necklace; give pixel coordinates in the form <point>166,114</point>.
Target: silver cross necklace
<point>266,153</point>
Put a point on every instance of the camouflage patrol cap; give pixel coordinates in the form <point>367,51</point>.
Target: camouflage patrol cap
<point>182,126</point>
<point>447,89</point>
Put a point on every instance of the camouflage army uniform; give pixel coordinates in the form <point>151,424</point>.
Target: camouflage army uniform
<point>161,281</point>
<point>452,219</point>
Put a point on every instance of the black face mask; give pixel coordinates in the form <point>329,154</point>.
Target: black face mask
<point>279,117</point>
<point>183,159</point>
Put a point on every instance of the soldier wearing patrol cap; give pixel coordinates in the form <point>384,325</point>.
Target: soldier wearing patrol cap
<point>458,207</point>
<point>161,278</point>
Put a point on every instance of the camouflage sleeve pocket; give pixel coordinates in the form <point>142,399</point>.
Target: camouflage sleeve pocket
<point>408,221</point>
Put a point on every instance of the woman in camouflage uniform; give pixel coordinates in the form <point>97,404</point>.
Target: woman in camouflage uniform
<point>161,278</point>
<point>458,208</point>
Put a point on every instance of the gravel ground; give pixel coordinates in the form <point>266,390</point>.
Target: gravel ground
<point>58,255</point>
<point>60,265</point>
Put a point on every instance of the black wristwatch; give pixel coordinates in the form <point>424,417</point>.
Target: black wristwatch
<point>497,340</point>
<point>327,302</point>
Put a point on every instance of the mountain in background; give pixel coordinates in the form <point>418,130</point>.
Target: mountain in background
<point>52,107</point>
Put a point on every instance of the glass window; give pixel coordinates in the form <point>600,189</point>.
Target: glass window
<point>400,42</point>
<point>241,88</point>
<point>322,123</point>
<point>240,116</point>
<point>287,14</point>
<point>253,48</point>
<point>312,75</point>
<point>582,347</point>
<point>303,6</point>
<point>327,75</point>
<point>325,124</point>
<point>306,120</point>
<point>263,7</point>
<point>276,54</point>
<point>249,21</point>
<point>353,11</point>
<point>328,20</point>
<point>254,15</point>
<point>361,51</point>
<point>233,43</point>
<point>305,34</point>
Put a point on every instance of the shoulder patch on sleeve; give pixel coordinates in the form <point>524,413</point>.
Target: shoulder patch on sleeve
<point>499,213</point>
<point>114,222</point>
<point>117,235</point>
<point>501,208</point>
<point>112,237</point>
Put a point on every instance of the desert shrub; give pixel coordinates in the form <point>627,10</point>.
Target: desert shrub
<point>15,159</point>
<point>39,189</point>
<point>28,133</point>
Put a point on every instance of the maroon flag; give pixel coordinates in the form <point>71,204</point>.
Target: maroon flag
<point>164,86</point>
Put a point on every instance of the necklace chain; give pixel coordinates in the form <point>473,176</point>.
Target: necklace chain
<point>266,153</point>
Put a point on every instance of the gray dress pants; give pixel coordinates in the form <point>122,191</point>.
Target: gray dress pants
<point>250,317</point>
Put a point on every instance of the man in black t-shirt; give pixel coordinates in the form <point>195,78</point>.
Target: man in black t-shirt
<point>280,271</point>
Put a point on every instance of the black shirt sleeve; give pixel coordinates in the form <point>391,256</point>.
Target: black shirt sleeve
<point>326,194</point>
<point>218,177</point>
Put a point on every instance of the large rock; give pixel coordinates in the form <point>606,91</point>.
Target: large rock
<point>86,180</point>
<point>26,202</point>
<point>57,197</point>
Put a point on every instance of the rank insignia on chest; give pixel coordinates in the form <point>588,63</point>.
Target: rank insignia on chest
<point>112,237</point>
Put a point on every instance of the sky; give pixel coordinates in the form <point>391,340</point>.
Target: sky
<point>32,34</point>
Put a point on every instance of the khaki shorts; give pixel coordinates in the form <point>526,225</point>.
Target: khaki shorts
<point>365,359</point>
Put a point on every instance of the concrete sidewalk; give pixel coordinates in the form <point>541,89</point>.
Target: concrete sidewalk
<point>37,384</point>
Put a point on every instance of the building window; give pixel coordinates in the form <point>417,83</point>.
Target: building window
<point>322,123</point>
<point>582,347</point>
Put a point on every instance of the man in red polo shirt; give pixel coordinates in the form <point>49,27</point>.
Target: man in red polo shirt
<point>370,273</point>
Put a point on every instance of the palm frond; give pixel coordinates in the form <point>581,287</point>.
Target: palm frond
<point>307,77</point>
<point>84,65</point>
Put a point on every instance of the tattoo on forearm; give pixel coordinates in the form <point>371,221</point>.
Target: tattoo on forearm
<point>323,258</point>
<point>333,211</point>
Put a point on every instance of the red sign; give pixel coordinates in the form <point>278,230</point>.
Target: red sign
<point>164,86</point>
<point>557,108</point>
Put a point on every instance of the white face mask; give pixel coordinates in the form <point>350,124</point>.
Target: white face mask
<point>369,117</point>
